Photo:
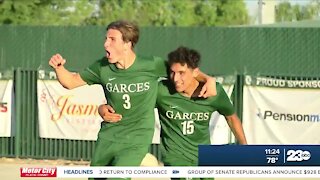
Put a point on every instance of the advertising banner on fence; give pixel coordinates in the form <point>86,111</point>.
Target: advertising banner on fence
<point>5,107</point>
<point>277,111</point>
<point>69,114</point>
<point>73,114</point>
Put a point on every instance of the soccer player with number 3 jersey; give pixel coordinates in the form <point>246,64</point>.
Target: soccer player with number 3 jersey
<point>130,83</point>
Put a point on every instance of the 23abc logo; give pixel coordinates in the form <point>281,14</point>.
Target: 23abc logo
<point>298,155</point>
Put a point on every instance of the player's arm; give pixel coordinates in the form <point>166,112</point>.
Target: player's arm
<point>66,78</point>
<point>236,127</point>
<point>209,88</point>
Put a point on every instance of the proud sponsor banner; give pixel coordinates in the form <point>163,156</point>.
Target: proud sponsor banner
<point>5,107</point>
<point>282,83</point>
<point>277,111</point>
<point>69,114</point>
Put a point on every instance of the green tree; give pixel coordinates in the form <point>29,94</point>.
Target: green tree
<point>232,12</point>
<point>284,12</point>
<point>173,12</point>
<point>114,9</point>
<point>183,13</point>
<point>145,12</point>
<point>206,12</point>
<point>18,12</point>
<point>45,12</point>
<point>161,16</point>
<point>287,12</point>
<point>313,9</point>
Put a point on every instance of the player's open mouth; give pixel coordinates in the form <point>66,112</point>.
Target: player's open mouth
<point>107,54</point>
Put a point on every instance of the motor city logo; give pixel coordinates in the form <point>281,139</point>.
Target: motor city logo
<point>282,116</point>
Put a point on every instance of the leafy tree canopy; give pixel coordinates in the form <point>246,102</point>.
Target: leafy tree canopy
<point>145,12</point>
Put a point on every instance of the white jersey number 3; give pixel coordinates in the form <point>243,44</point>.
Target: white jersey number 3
<point>126,104</point>
<point>187,127</point>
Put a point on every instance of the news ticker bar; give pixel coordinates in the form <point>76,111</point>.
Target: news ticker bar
<point>172,172</point>
<point>259,155</point>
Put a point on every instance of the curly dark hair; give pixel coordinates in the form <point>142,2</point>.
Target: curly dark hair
<point>184,55</point>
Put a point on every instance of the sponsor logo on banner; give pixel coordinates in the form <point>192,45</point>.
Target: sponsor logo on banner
<point>281,83</point>
<point>69,114</point>
<point>68,107</point>
<point>279,111</point>
<point>38,172</point>
<point>280,116</point>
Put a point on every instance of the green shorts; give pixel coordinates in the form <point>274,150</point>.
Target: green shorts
<point>109,153</point>
<point>176,160</point>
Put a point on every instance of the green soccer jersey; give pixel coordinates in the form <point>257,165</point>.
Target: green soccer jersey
<point>132,93</point>
<point>185,121</point>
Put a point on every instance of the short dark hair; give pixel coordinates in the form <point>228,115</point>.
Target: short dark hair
<point>184,55</point>
<point>129,30</point>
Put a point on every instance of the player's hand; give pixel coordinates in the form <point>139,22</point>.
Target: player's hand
<point>56,61</point>
<point>108,114</point>
<point>209,88</point>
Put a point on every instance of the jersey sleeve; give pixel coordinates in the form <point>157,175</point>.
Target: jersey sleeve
<point>160,91</point>
<point>163,90</point>
<point>161,67</point>
<point>91,74</point>
<point>225,106</point>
